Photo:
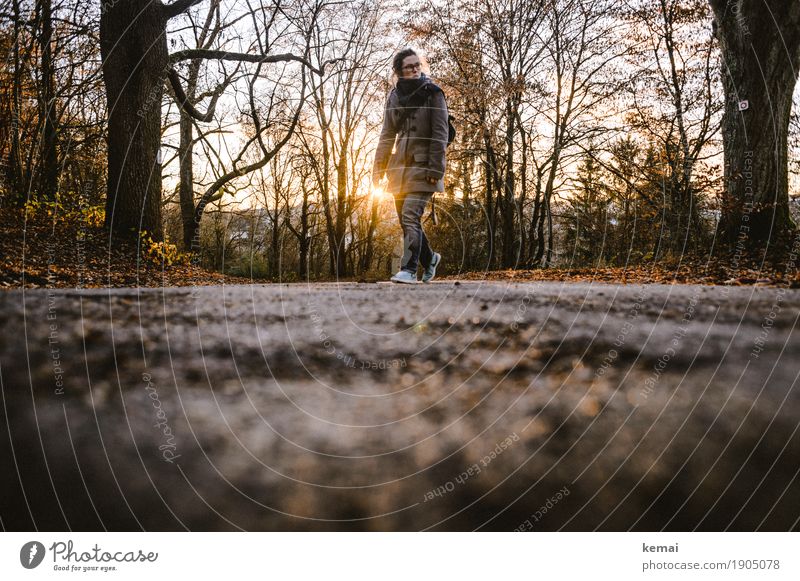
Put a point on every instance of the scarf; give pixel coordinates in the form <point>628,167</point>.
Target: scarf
<point>411,93</point>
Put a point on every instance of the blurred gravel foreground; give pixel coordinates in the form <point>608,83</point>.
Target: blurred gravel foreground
<point>449,406</point>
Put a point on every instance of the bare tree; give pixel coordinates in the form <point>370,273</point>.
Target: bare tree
<point>566,119</point>
<point>47,102</point>
<point>672,91</point>
<point>303,165</point>
<point>49,116</point>
<point>205,36</point>
<point>136,64</point>
<point>342,101</point>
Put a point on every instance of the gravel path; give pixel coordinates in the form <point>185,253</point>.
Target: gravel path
<point>449,406</point>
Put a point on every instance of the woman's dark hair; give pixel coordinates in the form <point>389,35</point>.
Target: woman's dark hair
<point>397,61</point>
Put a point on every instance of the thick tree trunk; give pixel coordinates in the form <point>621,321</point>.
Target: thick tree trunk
<point>760,44</point>
<point>134,51</point>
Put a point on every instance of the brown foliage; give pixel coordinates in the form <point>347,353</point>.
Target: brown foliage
<point>45,250</point>
<point>689,270</point>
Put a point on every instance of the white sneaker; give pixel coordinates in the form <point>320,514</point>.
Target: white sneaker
<point>430,272</point>
<point>404,277</point>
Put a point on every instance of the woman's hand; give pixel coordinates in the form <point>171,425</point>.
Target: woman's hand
<point>431,180</point>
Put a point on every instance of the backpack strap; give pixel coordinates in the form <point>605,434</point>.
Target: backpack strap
<point>403,116</point>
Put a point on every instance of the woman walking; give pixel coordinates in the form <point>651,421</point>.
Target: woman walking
<point>416,119</point>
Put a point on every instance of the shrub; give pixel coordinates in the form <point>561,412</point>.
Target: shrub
<point>161,253</point>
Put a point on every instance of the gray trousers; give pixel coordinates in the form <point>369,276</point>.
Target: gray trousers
<point>410,207</point>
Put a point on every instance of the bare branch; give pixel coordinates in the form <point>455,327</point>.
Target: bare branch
<point>199,53</point>
<point>178,7</point>
<point>185,103</point>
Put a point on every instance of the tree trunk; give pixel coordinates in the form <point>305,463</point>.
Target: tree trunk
<point>490,169</point>
<point>302,235</point>
<point>540,241</point>
<point>509,256</point>
<point>523,180</point>
<point>186,187</point>
<point>370,247</point>
<point>48,177</point>
<point>545,212</point>
<point>134,52</point>
<point>548,261</point>
<point>470,242</point>
<point>329,227</point>
<point>537,208</point>
<point>325,192</point>
<point>274,268</point>
<point>15,177</point>
<point>761,53</point>
<point>341,212</point>
<point>302,268</point>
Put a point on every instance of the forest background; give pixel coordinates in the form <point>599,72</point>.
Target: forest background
<point>238,136</point>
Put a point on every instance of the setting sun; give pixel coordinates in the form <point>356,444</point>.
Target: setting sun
<point>377,192</point>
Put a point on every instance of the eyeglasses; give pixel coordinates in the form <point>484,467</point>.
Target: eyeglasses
<point>412,67</point>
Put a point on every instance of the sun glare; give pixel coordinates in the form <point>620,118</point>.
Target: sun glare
<point>377,192</point>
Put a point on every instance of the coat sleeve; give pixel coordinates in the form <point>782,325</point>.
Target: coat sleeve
<point>439,134</point>
<point>386,141</point>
